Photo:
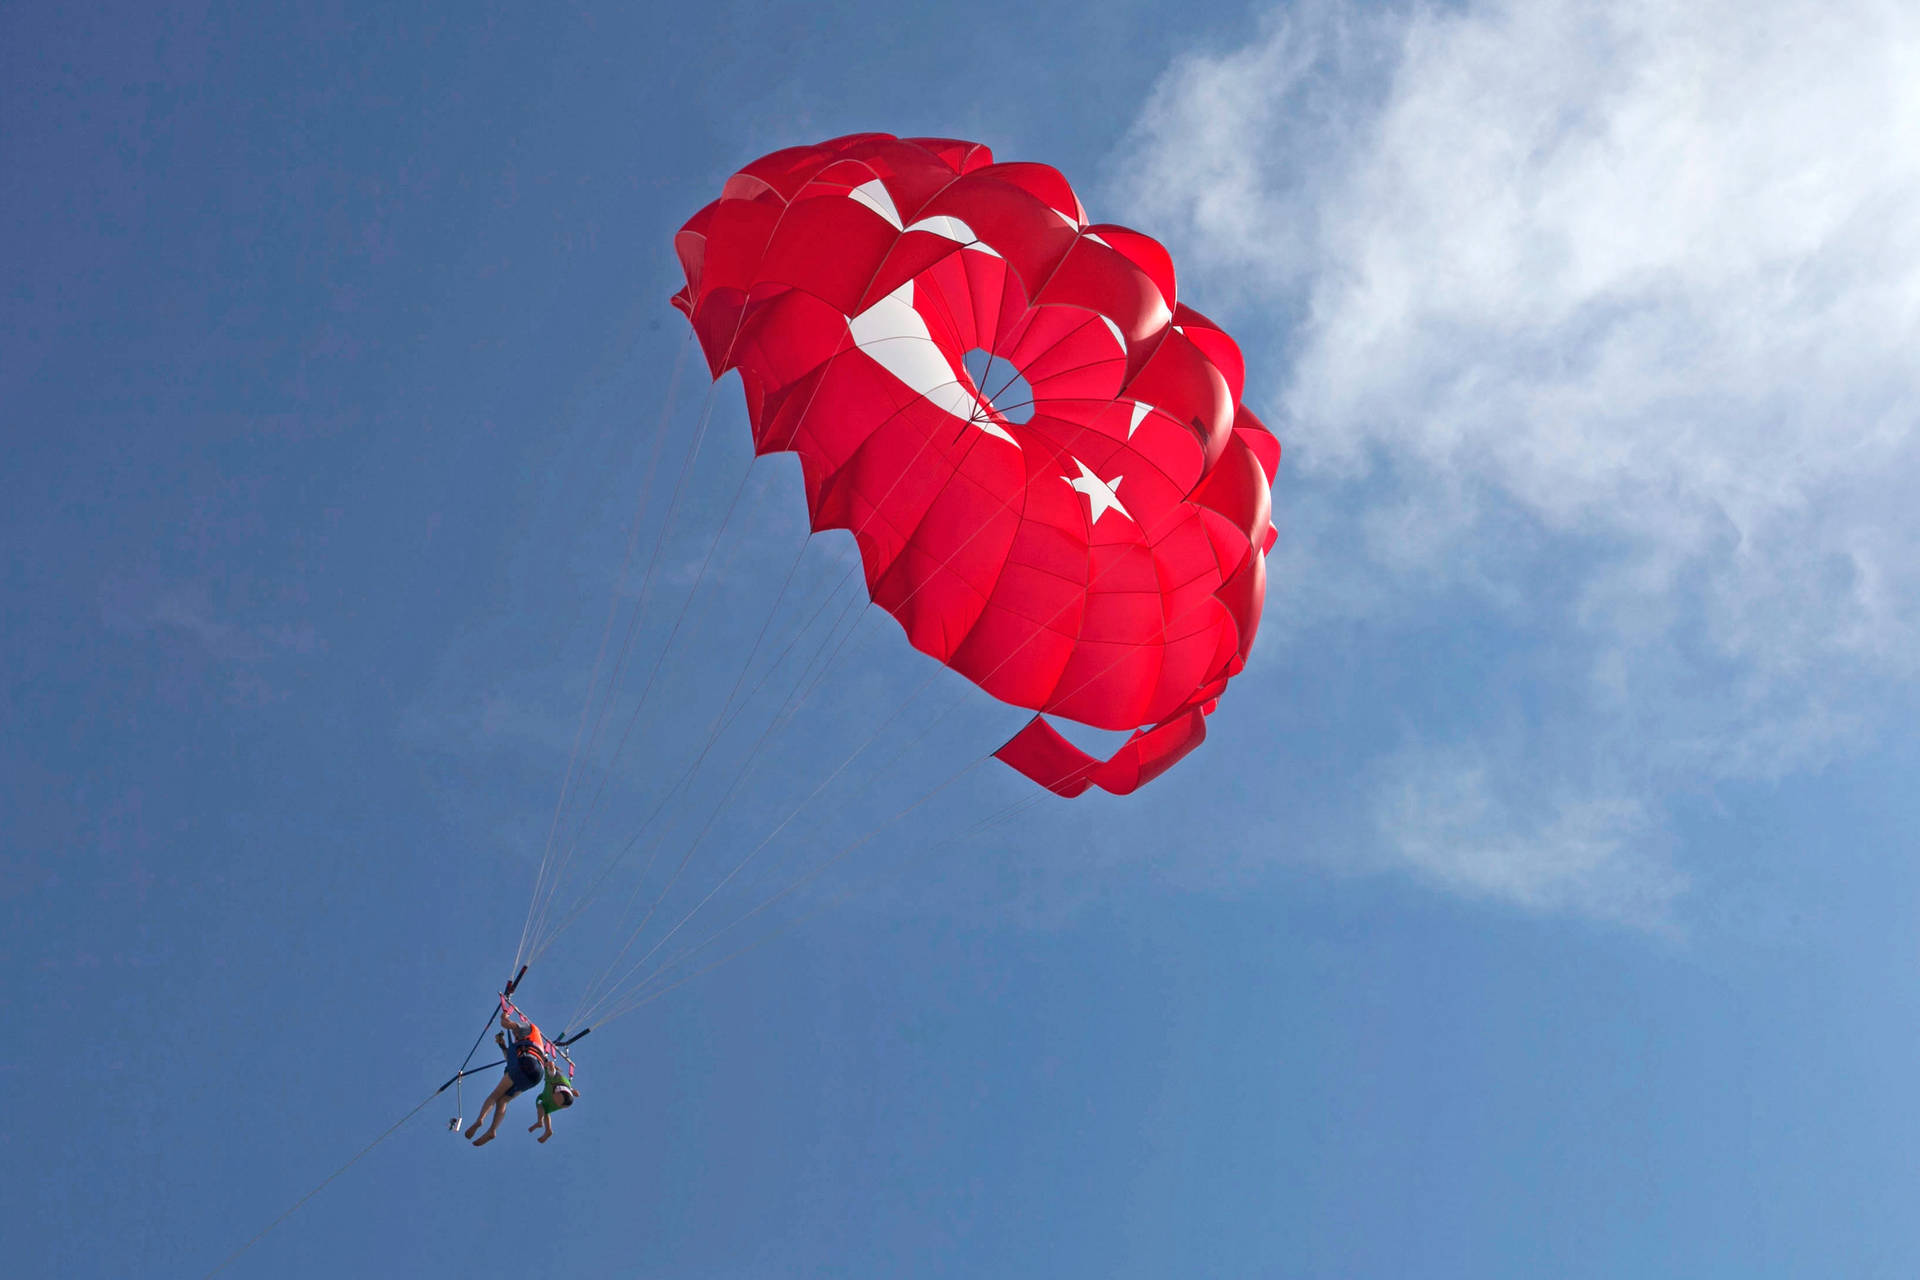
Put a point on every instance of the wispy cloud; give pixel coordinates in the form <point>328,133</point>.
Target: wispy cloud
<point>1495,832</point>
<point>247,652</point>
<point>1600,318</point>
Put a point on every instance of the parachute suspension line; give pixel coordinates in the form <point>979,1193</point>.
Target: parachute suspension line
<point>634,999</point>
<point>715,728</point>
<point>755,851</point>
<point>606,633</point>
<point>632,934</point>
<point>647,991</point>
<point>724,720</point>
<point>633,720</point>
<point>543,897</point>
<point>713,735</point>
<point>543,883</point>
<point>692,592</point>
<point>857,751</point>
<point>673,506</point>
<point>782,715</point>
<point>591,892</point>
<point>640,880</point>
<point>1025,802</point>
<point>644,992</point>
<point>746,764</point>
<point>792,708</point>
<point>767,839</point>
<point>538,907</point>
<point>790,705</point>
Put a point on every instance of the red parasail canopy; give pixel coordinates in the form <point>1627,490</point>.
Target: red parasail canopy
<point>1086,539</point>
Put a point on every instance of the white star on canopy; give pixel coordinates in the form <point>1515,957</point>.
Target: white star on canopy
<point>1102,495</point>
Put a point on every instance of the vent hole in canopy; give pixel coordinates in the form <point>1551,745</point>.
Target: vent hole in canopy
<point>1000,384</point>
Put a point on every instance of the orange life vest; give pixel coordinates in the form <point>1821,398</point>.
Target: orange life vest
<point>537,1042</point>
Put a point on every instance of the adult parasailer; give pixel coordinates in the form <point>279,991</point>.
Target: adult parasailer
<point>530,1058</point>
<point>1039,449</point>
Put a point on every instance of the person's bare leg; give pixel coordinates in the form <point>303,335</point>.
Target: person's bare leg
<point>499,1114</point>
<point>497,1097</point>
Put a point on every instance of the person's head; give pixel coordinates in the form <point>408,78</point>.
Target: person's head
<point>564,1096</point>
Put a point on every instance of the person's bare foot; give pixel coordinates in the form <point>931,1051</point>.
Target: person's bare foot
<point>473,1130</point>
<point>483,1139</point>
<point>543,1137</point>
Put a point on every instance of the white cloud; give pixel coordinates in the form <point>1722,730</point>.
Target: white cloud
<point>1608,314</point>
<point>1447,814</point>
<point>251,659</point>
<point>186,609</point>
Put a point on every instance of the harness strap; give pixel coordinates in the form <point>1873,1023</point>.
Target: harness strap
<point>504,1004</point>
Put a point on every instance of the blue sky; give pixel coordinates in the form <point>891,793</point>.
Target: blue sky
<point>1542,902</point>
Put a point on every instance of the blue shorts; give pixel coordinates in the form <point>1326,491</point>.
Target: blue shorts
<point>524,1069</point>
